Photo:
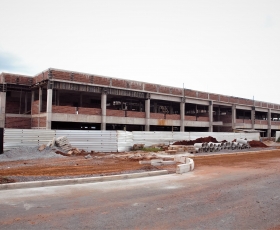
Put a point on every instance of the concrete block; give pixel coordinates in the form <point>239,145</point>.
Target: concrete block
<point>184,168</point>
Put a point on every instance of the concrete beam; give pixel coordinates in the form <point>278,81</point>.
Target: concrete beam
<point>75,117</point>
<point>244,107</point>
<point>165,97</point>
<point>197,101</point>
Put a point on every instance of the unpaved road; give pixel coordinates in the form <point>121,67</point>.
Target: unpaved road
<point>240,192</point>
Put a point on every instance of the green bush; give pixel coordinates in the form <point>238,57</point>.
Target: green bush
<point>151,149</point>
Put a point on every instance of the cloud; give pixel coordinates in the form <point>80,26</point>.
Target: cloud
<point>12,63</point>
<point>268,21</point>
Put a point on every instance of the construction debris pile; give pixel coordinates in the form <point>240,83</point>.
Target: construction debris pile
<point>63,143</point>
<point>66,148</point>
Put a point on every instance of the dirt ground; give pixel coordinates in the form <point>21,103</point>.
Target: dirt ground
<point>72,167</point>
<point>101,164</point>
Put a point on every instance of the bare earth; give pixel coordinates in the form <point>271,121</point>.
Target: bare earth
<point>109,164</point>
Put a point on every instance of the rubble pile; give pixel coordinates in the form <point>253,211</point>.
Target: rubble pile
<point>65,148</point>
<point>63,143</point>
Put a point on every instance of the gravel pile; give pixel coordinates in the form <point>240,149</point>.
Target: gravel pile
<point>28,153</point>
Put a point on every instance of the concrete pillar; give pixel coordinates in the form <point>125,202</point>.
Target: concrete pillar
<point>147,111</point>
<point>25,102</point>
<point>40,99</point>
<point>49,109</point>
<point>233,111</point>
<point>269,123</point>
<point>253,117</point>
<point>103,110</point>
<point>2,109</point>
<point>32,97</point>
<point>182,114</point>
<point>210,110</point>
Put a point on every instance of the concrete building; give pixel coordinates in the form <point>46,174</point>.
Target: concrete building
<point>59,99</point>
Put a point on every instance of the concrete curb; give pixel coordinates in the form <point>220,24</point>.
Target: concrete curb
<point>235,153</point>
<point>36,184</point>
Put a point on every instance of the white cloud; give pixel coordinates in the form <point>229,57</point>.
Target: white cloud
<point>228,47</point>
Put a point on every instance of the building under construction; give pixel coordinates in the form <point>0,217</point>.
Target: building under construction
<point>60,99</point>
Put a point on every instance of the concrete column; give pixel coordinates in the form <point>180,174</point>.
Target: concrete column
<point>25,103</point>
<point>2,109</point>
<point>269,123</point>
<point>253,117</point>
<point>147,111</point>
<point>233,111</point>
<point>103,110</point>
<point>49,109</point>
<point>32,97</point>
<point>210,110</point>
<point>40,99</point>
<point>182,113</point>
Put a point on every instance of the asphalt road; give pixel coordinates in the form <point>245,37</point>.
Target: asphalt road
<point>237,197</point>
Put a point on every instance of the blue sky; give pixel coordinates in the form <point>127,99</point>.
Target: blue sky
<point>229,47</point>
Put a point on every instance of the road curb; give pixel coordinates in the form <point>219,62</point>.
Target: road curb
<point>58,182</point>
<point>235,153</point>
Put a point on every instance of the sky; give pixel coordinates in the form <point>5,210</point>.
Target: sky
<point>229,47</point>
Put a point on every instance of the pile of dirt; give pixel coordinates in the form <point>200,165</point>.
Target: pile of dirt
<point>257,144</point>
<point>198,140</point>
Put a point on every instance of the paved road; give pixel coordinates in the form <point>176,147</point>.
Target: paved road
<point>207,198</point>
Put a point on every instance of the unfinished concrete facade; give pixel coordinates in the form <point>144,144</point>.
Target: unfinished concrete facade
<point>59,99</point>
